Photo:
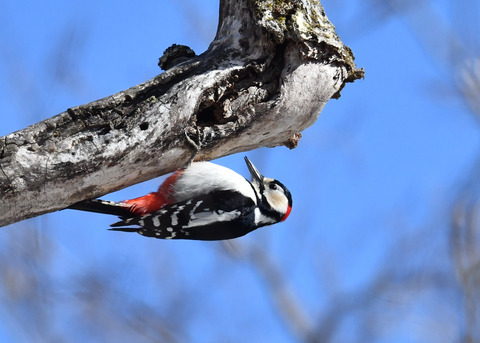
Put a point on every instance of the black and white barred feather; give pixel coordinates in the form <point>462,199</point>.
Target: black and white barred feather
<point>214,216</point>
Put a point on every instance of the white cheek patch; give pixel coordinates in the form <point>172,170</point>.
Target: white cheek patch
<point>278,201</point>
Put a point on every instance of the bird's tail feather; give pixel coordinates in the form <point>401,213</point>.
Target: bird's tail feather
<point>103,206</point>
<point>123,229</point>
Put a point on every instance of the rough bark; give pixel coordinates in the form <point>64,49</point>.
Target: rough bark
<point>266,77</point>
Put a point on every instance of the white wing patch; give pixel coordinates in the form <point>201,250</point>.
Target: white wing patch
<point>174,219</point>
<point>207,218</point>
<point>192,215</point>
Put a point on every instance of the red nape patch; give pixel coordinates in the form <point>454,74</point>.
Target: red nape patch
<point>289,209</point>
<point>148,203</point>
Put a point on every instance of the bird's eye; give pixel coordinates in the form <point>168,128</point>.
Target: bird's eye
<point>272,186</point>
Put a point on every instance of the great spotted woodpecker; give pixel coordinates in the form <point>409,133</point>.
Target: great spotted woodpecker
<point>204,201</point>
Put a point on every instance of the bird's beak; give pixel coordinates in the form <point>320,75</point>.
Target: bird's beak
<point>256,176</point>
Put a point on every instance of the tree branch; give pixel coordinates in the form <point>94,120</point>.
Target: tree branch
<point>266,76</point>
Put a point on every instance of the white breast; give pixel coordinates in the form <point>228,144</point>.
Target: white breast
<point>204,177</point>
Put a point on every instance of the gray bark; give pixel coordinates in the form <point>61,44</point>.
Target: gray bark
<point>266,77</point>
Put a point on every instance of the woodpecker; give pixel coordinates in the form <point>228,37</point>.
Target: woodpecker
<point>204,201</point>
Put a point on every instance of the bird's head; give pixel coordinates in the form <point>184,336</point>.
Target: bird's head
<point>274,199</point>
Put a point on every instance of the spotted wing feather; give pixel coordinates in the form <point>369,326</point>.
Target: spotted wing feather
<point>215,216</point>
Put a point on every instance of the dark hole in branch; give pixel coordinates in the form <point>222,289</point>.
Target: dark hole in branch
<point>213,115</point>
<point>144,126</point>
<point>207,116</point>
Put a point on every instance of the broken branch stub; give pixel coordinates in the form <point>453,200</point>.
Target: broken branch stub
<point>266,77</point>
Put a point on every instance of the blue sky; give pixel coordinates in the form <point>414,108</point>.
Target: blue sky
<point>375,169</point>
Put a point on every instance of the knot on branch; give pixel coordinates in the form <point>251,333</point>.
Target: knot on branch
<point>174,55</point>
<point>292,142</point>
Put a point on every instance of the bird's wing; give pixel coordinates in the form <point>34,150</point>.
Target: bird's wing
<point>214,216</point>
